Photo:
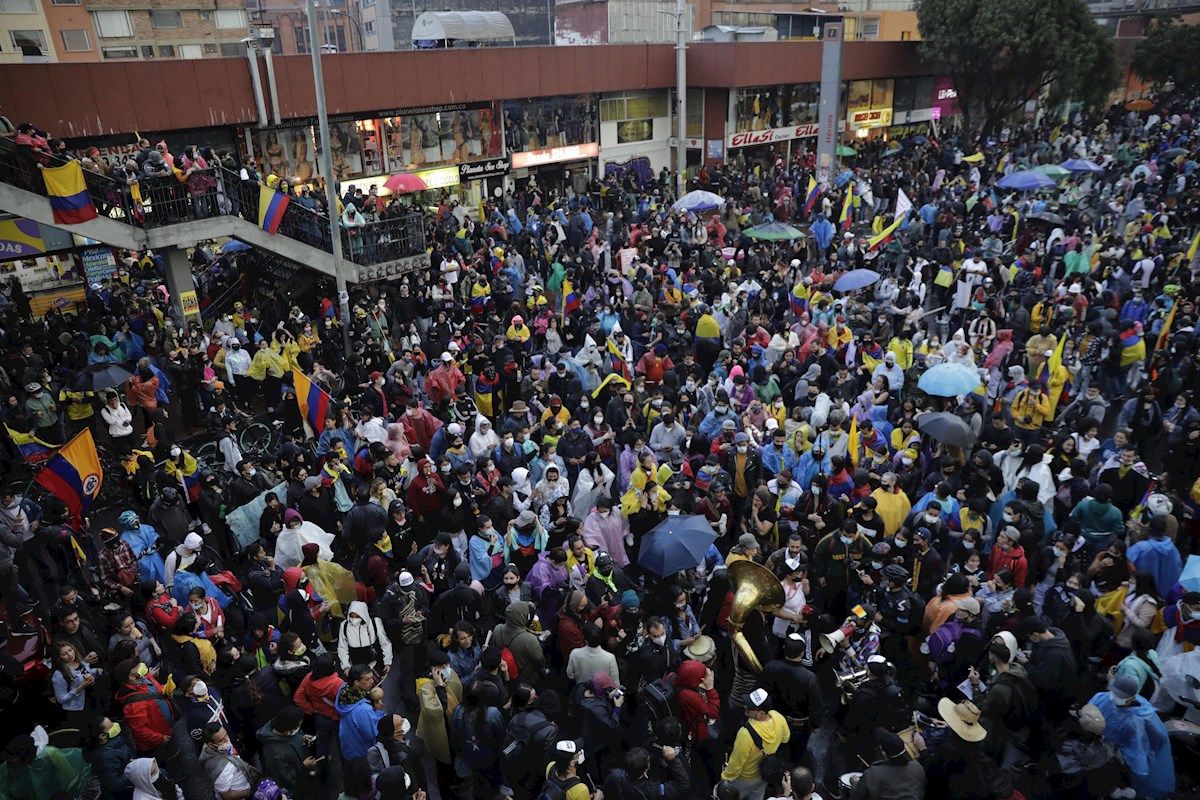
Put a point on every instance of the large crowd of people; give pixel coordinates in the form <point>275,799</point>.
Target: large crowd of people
<point>619,502</point>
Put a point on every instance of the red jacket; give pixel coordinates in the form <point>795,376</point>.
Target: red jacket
<point>696,706</point>
<point>311,695</point>
<point>148,713</point>
<point>1013,560</point>
<point>162,613</point>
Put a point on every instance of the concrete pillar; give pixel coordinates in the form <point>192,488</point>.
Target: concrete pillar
<point>185,305</point>
<point>831,92</point>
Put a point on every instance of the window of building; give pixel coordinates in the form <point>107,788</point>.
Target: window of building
<point>206,16</point>
<point>66,3</point>
<point>233,49</point>
<point>634,105</point>
<point>230,18</point>
<point>166,50</point>
<point>869,29</point>
<point>16,7</point>
<point>550,122</point>
<point>301,39</point>
<point>191,51</point>
<point>166,19</point>
<point>31,43</point>
<point>252,5</point>
<point>763,107</point>
<point>118,52</point>
<point>147,51</point>
<point>210,49</point>
<point>112,25</point>
<point>76,41</point>
<point>369,26</point>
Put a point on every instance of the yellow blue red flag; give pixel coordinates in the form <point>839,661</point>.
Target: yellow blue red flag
<point>74,474</point>
<point>68,194</point>
<point>31,448</point>
<point>313,401</point>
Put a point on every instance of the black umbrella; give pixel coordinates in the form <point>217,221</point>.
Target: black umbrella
<point>946,428</point>
<point>1048,217</point>
<point>98,377</point>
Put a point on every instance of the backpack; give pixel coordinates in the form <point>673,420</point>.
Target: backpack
<point>772,767</point>
<point>518,750</point>
<point>658,698</point>
<point>553,790</point>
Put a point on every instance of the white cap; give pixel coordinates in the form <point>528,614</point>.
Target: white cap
<point>406,578</point>
<point>447,357</point>
<point>758,699</point>
<point>795,262</point>
<point>200,689</point>
<point>453,347</point>
<point>771,423</point>
<point>454,429</point>
<point>193,541</point>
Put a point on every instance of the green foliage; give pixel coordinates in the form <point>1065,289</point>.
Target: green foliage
<point>1001,53</point>
<point>1170,52</point>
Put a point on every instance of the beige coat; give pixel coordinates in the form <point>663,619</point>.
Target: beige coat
<point>431,725</point>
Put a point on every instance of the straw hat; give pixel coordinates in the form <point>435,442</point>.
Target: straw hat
<point>963,719</point>
<point>702,649</point>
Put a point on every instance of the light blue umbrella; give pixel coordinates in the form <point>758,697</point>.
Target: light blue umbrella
<point>948,380</point>
<point>1081,165</point>
<point>1026,181</point>
<point>843,178</point>
<point>855,279</point>
<point>698,200</point>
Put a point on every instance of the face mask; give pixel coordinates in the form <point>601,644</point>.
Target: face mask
<point>741,448</point>
<point>900,543</point>
<point>722,409</point>
<point>114,731</point>
<point>198,605</point>
<point>932,518</point>
<point>672,512</point>
<point>1009,517</point>
<point>508,441</point>
<point>1195,615</point>
<point>300,650</point>
<point>968,545</point>
<point>446,470</point>
<point>659,640</point>
<point>816,490</point>
<point>1060,553</point>
<point>227,748</point>
<point>682,605</point>
<point>846,539</point>
<point>876,565</point>
<point>598,419</point>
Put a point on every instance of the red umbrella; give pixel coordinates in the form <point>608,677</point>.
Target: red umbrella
<point>405,182</point>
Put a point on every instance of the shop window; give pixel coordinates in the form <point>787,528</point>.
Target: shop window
<point>550,122</point>
<point>765,107</point>
<point>420,140</point>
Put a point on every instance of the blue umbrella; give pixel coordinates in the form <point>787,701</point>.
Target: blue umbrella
<point>948,380</point>
<point>234,246</point>
<point>919,139</point>
<point>676,544</point>
<point>698,200</point>
<point>1026,181</point>
<point>855,279</point>
<point>843,178</point>
<point>1081,165</point>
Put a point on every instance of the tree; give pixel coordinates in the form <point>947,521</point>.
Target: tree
<point>1001,53</point>
<point>1170,53</point>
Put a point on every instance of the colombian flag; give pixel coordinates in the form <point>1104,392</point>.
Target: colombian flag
<point>480,296</point>
<point>271,205</point>
<point>1133,347</point>
<point>616,362</point>
<point>799,298</point>
<point>853,445</point>
<point>845,219</point>
<point>33,450</point>
<point>903,206</point>
<point>73,474</point>
<point>811,194</point>
<point>1165,334</point>
<point>313,401</point>
<point>68,194</point>
<point>570,298</point>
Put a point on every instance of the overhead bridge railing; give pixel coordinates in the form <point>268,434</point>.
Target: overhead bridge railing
<point>162,201</point>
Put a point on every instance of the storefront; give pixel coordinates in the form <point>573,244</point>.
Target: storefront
<point>438,183</point>
<point>553,140</point>
<point>481,181</point>
<point>869,108</point>
<point>769,121</point>
<point>912,107</point>
<point>48,264</point>
<point>635,133</point>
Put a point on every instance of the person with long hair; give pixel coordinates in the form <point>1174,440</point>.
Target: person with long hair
<point>1142,602</point>
<point>74,681</point>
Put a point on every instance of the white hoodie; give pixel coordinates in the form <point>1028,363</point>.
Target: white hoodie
<point>360,629</point>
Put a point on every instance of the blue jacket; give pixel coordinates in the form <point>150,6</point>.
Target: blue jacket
<point>357,729</point>
<point>1161,559</point>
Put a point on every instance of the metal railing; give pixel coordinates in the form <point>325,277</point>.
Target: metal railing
<point>156,201</point>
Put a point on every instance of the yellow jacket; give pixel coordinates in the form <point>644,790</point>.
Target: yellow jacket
<point>631,501</point>
<point>746,758</point>
<point>903,350</point>
<point>267,360</point>
<point>307,341</point>
<point>1030,408</point>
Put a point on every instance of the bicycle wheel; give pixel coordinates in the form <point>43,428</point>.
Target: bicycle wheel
<point>256,439</point>
<point>208,455</point>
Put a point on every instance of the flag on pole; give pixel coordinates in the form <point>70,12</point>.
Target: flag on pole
<point>903,207</point>
<point>570,298</point>
<point>74,474</point>
<point>1165,333</point>
<point>68,194</point>
<point>846,218</point>
<point>811,195</point>
<point>853,445</point>
<point>313,401</point>
<point>1191,253</point>
<point>271,205</point>
<point>617,363</point>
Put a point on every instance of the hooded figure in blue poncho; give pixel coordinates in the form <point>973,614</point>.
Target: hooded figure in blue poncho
<point>143,540</point>
<point>1134,728</point>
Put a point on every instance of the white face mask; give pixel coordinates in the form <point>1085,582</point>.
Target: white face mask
<point>659,640</point>
<point>932,518</point>
<point>598,419</point>
<point>900,543</point>
<point>1009,517</point>
<point>741,448</point>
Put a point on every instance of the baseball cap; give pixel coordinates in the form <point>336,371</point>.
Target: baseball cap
<point>759,700</point>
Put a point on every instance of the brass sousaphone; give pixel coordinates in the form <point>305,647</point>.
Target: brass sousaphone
<point>754,589</point>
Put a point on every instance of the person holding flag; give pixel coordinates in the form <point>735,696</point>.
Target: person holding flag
<point>846,217</point>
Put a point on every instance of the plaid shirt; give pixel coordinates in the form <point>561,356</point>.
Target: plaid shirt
<point>118,566</point>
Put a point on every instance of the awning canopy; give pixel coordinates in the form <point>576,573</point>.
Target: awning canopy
<point>468,25</point>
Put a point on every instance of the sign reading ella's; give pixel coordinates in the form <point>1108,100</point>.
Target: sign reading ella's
<point>770,135</point>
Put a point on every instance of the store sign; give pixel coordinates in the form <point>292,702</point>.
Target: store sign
<point>190,304</point>
<point>491,168</point>
<point>945,98</point>
<point>871,118</point>
<point>750,138</point>
<point>98,263</point>
<point>553,155</point>
<point>439,178</point>
<point>20,237</point>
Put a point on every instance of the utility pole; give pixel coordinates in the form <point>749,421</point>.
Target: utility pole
<point>335,228</point>
<point>682,16</point>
